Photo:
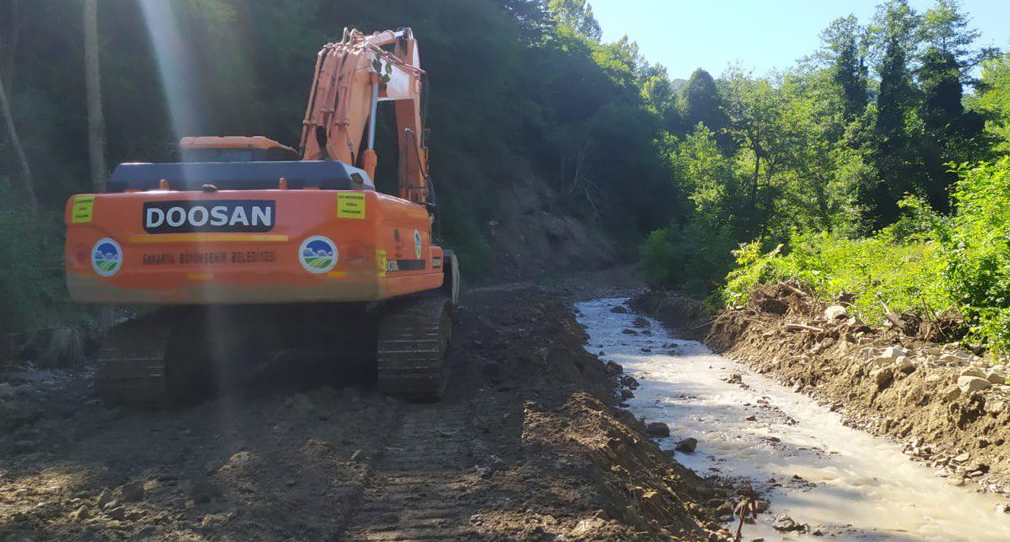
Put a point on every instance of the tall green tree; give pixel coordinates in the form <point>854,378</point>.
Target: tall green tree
<point>950,134</point>
<point>658,93</point>
<point>756,110</point>
<point>993,100</point>
<point>703,103</point>
<point>577,15</point>
<point>946,28</point>
<point>895,159</point>
<point>894,20</point>
<point>848,66</point>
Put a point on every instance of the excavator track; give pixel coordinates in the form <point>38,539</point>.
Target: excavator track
<point>412,341</point>
<point>181,356</point>
<point>131,370</point>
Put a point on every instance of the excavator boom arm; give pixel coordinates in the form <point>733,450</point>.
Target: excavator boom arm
<point>352,77</point>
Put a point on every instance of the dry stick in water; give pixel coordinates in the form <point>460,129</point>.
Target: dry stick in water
<point>747,506</point>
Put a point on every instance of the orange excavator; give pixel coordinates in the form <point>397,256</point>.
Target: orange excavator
<point>257,254</point>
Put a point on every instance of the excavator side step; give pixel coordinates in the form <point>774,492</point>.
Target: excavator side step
<point>413,338</point>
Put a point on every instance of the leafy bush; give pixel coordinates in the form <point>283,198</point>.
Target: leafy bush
<point>923,262</point>
<point>905,275</point>
<point>22,284</point>
<point>31,278</point>
<point>692,257</point>
<point>976,250</point>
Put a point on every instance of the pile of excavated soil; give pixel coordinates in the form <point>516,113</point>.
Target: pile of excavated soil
<point>948,407</point>
<point>528,445</point>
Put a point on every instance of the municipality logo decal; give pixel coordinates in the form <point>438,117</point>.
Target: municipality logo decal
<point>106,257</point>
<point>318,254</point>
<point>417,244</point>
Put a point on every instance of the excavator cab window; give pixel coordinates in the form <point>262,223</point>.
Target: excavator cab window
<point>273,154</point>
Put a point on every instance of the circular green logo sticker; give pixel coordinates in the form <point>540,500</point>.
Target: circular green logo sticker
<point>318,254</point>
<point>106,257</point>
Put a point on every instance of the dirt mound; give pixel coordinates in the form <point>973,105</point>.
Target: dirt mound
<point>527,446</point>
<point>949,407</point>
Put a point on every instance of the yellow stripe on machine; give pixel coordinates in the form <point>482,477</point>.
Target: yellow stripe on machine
<point>207,238</point>
<point>380,263</point>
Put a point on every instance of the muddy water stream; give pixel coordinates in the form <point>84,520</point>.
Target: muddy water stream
<point>844,483</point>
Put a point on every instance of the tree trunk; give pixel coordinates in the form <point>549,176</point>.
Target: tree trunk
<point>755,179</point>
<point>9,42</point>
<point>26,173</point>
<point>93,81</point>
<point>96,118</point>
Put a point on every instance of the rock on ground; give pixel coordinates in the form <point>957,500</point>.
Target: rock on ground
<point>687,445</point>
<point>657,429</point>
<point>970,384</point>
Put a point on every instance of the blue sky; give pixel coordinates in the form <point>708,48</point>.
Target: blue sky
<point>760,34</point>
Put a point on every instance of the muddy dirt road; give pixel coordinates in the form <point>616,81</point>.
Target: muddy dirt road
<point>527,446</point>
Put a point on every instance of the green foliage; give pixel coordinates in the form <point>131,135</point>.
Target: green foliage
<point>828,147</point>
<point>976,250</point>
<point>659,256</point>
<point>993,100</point>
<point>906,275</point>
<point>703,103</point>
<point>691,257</point>
<point>945,27</point>
<point>31,279</point>
<point>848,68</point>
<point>576,15</point>
<point>925,262</point>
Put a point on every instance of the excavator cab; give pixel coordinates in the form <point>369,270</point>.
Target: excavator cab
<point>234,149</point>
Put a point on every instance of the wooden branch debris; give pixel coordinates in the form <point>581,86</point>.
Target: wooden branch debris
<point>802,327</point>
<point>699,326</point>
<point>891,316</point>
<point>794,289</point>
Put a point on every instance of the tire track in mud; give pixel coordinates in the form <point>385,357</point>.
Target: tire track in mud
<point>416,489</point>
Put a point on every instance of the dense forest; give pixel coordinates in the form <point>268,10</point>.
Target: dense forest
<point>865,152</point>
<point>517,88</point>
